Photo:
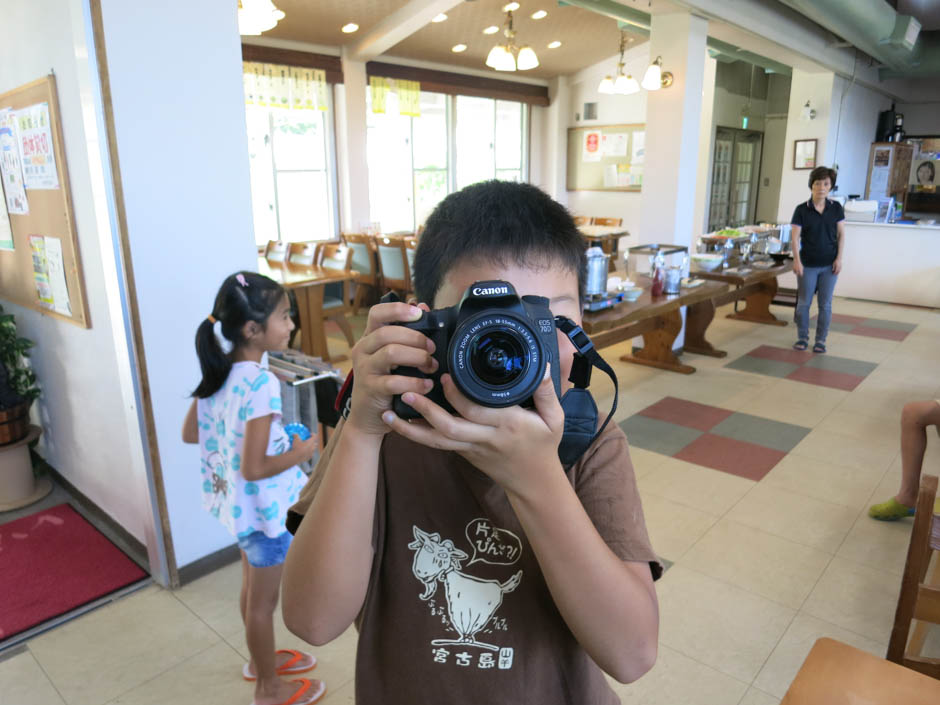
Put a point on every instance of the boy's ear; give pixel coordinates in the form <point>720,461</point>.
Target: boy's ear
<point>250,329</point>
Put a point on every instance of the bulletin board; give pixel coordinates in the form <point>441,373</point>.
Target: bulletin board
<point>39,259</point>
<point>606,157</point>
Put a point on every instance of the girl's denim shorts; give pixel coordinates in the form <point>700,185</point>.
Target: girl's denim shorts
<point>263,551</point>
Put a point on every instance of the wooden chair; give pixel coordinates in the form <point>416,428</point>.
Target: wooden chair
<point>393,264</point>
<point>301,253</point>
<point>276,251</point>
<point>336,297</point>
<point>838,674</point>
<point>919,598</point>
<point>580,220</point>
<point>365,269</point>
<point>615,222</point>
<point>411,246</point>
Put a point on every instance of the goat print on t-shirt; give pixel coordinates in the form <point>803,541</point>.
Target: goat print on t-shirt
<point>471,602</point>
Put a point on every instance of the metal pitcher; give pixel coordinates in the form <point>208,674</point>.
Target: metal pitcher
<point>596,272</point>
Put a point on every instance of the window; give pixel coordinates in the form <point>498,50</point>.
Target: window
<point>293,192</point>
<point>412,165</point>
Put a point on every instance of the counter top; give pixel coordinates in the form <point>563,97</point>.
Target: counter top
<point>858,223</point>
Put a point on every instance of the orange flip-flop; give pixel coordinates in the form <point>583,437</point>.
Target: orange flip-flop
<point>289,667</point>
<point>306,694</point>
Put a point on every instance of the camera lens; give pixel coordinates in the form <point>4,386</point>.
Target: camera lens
<point>497,357</point>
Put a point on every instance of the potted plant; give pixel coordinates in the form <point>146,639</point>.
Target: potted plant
<point>18,390</point>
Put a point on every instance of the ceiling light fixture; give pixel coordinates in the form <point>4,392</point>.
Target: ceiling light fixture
<point>807,112</point>
<point>492,29</point>
<point>457,48</point>
<point>510,7</point>
<point>350,28</point>
<point>539,14</point>
<point>257,16</point>
<point>622,84</point>
<point>655,77</point>
<point>507,56</point>
<point>440,18</point>
<point>554,45</point>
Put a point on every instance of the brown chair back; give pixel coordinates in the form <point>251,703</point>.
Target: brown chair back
<point>919,598</point>
<point>616,222</point>
<point>276,251</point>
<point>334,255</point>
<point>301,253</point>
<point>580,220</point>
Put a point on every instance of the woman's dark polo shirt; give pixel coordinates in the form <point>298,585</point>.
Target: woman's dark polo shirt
<point>819,238</point>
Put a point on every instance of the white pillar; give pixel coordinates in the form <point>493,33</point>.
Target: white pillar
<point>706,141</point>
<point>351,161</point>
<point>555,156</point>
<point>673,118</point>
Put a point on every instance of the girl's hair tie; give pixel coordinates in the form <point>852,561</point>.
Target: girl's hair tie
<point>240,278</point>
<point>211,319</point>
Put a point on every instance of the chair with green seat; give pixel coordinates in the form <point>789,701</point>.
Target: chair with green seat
<point>365,270</point>
<point>393,264</point>
<point>336,296</point>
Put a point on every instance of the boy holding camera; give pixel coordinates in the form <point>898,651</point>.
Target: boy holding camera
<point>476,567</point>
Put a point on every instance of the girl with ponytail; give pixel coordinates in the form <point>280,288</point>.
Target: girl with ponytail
<point>250,473</point>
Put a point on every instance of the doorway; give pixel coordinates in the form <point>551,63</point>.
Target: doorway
<point>735,170</point>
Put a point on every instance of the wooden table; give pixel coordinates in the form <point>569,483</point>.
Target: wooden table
<point>838,674</point>
<point>308,283</point>
<point>657,319</point>
<point>757,287</point>
<point>606,237</point>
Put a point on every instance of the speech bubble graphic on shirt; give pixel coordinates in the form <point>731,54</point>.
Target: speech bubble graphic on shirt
<point>491,544</point>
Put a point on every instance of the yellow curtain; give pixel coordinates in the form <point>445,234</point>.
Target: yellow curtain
<point>409,98</point>
<point>285,86</point>
<point>378,87</point>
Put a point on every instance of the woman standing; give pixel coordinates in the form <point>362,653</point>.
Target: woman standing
<point>818,234</point>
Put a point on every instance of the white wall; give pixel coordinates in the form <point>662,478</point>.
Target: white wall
<point>772,166</point>
<point>87,408</point>
<point>188,208</point>
<point>611,110</point>
<point>920,118</point>
<point>727,107</point>
<point>852,128</point>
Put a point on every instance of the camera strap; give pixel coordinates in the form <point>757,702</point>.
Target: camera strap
<point>577,403</point>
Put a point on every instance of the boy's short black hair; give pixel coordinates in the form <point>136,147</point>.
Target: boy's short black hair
<point>500,221</point>
<point>822,172</point>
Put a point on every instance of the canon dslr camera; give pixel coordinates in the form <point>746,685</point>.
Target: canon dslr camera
<point>494,344</point>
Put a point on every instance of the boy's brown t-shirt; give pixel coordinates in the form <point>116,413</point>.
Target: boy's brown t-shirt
<point>457,609</point>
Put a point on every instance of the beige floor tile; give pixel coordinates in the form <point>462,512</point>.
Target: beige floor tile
<point>336,661</point>
<point>794,402</point>
<point>645,461</point>
<point>782,666</point>
<point>212,677</point>
<point>758,562</point>
<point>22,682</point>
<point>679,679</point>
<point>879,544</point>
<point>719,624</point>
<point>805,520</point>
<point>838,484</point>
<point>753,696</point>
<point>673,528</point>
<point>135,638</point>
<point>856,597</point>
<point>876,404</point>
<point>860,426</point>
<point>857,347</point>
<point>630,402</point>
<point>214,599</point>
<point>866,455</point>
<point>710,491</point>
<point>728,389</point>
<point>343,695</point>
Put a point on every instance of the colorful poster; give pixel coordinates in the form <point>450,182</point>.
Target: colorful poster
<point>6,229</point>
<point>55,268</point>
<point>37,245</point>
<point>614,145</point>
<point>36,149</point>
<point>591,147</point>
<point>11,170</point>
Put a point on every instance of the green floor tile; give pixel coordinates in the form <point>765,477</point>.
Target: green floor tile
<point>762,366</point>
<point>657,436</point>
<point>764,432</point>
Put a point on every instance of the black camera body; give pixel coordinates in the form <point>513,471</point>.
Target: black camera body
<point>494,344</point>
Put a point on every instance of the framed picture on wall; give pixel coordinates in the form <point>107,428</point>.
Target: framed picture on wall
<point>804,154</point>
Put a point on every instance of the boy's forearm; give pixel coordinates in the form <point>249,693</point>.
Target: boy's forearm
<point>609,605</point>
<point>327,570</point>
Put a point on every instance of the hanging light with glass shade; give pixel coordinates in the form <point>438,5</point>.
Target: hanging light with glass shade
<point>621,84</point>
<point>257,16</point>
<point>507,56</point>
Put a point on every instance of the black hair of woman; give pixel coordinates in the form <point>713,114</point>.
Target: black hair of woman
<point>823,172</point>
<point>243,297</point>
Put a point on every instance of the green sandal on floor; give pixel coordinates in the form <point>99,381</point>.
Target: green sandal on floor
<point>892,510</point>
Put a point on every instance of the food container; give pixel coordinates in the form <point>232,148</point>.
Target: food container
<point>597,269</point>
<point>707,262</point>
<point>673,280</point>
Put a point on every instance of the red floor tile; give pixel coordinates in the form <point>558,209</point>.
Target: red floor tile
<point>769,352</point>
<point>884,333</point>
<point>728,455</point>
<point>842,318</point>
<point>826,378</point>
<point>686,413</point>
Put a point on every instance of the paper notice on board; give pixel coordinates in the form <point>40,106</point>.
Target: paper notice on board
<point>880,176</point>
<point>37,246</point>
<point>6,230</point>
<point>11,170</point>
<point>639,147</point>
<point>591,147</point>
<point>55,266</point>
<point>36,149</point>
<point>614,145</point>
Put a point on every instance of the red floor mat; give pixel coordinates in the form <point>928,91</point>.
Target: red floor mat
<point>52,562</point>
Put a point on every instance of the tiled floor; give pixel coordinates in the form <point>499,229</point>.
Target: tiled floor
<point>805,366</point>
<point>761,565</point>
